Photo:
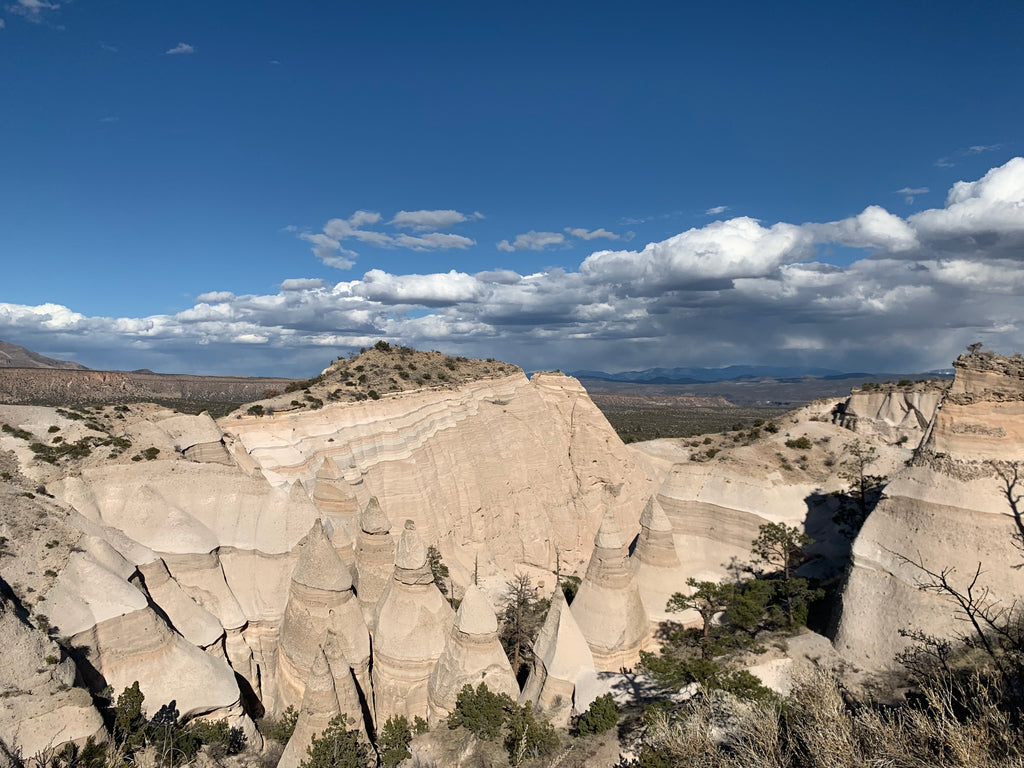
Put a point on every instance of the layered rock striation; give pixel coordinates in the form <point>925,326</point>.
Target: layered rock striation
<point>431,456</point>
<point>951,510</point>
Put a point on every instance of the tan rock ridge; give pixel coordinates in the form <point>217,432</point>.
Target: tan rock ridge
<point>947,510</point>
<point>204,554</point>
<point>431,456</point>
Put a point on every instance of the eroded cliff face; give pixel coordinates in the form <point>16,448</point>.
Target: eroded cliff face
<point>187,548</point>
<point>507,470</point>
<point>950,509</point>
<point>898,416</point>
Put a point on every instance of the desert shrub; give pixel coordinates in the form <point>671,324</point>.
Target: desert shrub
<point>480,711</point>
<point>438,569</point>
<point>800,443</point>
<point>528,736</point>
<point>602,714</point>
<point>281,728</point>
<point>220,738</point>
<point>337,748</point>
<point>393,741</point>
<point>255,410</point>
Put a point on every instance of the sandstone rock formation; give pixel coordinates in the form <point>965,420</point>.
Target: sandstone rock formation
<point>950,509</point>
<point>319,706</point>
<point>430,456</point>
<point>896,416</point>
<point>40,708</point>
<point>472,655</point>
<point>199,550</point>
<point>561,659</point>
<point>608,607</point>
<point>374,558</point>
<point>320,600</point>
<point>655,561</point>
<point>412,626</point>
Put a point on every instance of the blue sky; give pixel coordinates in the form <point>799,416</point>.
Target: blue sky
<point>256,188</point>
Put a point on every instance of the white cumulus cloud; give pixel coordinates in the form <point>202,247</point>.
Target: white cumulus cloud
<point>179,49</point>
<point>429,221</point>
<point>731,291</point>
<point>532,241</point>
<point>874,227</point>
<point>591,234</point>
<point>719,251</point>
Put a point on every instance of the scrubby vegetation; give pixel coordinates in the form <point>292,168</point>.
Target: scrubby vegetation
<point>163,740</point>
<point>489,715</point>
<point>763,597</point>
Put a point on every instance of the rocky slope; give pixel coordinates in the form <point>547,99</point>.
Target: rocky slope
<point>13,356</point>
<point>217,563</point>
<point>37,386</point>
<point>951,509</point>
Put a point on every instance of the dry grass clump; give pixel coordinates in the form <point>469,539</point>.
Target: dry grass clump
<point>957,723</point>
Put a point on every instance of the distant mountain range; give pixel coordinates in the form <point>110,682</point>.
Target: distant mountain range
<point>729,373</point>
<point>13,356</point>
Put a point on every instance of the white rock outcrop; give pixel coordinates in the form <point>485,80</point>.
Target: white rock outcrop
<point>561,660</point>
<point>472,655</point>
<point>412,626</point>
<point>608,607</point>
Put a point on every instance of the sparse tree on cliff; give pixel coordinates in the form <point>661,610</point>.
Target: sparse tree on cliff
<point>782,548</point>
<point>521,616</point>
<point>865,490</point>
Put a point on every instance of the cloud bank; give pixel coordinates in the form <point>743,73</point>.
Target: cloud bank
<point>731,291</point>
<point>365,227</point>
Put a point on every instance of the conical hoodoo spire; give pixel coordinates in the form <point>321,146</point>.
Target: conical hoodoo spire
<point>319,707</point>
<point>412,626</point>
<point>375,558</point>
<point>608,606</point>
<point>472,655</point>
<point>655,560</point>
<point>561,657</point>
<point>320,598</point>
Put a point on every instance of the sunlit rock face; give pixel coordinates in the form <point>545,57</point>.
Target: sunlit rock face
<point>505,470</point>
<point>374,557</point>
<point>320,600</point>
<point>950,509</point>
<point>412,626</point>
<point>561,660</point>
<point>608,607</point>
<point>217,564</point>
<point>39,706</point>
<point>319,706</point>
<point>472,655</point>
<point>897,416</point>
<point>655,561</point>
